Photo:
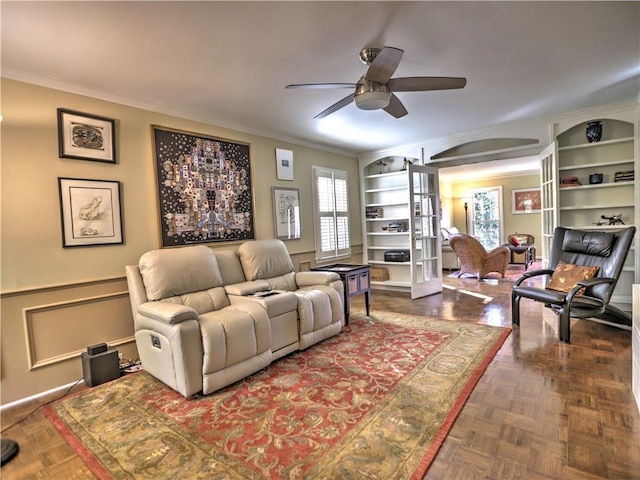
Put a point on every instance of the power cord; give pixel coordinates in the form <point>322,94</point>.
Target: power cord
<point>40,406</point>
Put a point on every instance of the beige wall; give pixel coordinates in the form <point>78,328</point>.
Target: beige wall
<point>57,301</point>
<point>522,223</point>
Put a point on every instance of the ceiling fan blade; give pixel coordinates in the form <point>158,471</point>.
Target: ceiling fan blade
<point>421,84</point>
<point>336,106</point>
<point>384,65</point>
<point>395,107</point>
<point>322,85</point>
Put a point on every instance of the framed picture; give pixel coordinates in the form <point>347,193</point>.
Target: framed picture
<point>286,213</point>
<point>91,212</point>
<point>526,200</point>
<point>86,137</point>
<point>204,188</point>
<point>284,162</point>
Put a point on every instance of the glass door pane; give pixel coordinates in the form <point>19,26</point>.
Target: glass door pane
<point>486,216</point>
<point>549,188</point>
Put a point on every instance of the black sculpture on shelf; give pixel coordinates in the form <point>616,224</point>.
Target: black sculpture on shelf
<point>614,219</point>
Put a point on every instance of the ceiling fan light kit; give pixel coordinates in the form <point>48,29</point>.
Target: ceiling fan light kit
<point>372,100</point>
<point>374,90</point>
<point>371,95</point>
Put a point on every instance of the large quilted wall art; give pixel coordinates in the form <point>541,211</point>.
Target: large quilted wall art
<point>204,188</point>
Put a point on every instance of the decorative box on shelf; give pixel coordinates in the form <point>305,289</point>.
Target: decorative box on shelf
<point>379,274</point>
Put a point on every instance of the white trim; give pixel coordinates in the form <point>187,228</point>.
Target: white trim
<point>39,395</point>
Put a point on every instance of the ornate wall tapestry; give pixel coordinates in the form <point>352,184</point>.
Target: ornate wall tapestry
<point>204,188</point>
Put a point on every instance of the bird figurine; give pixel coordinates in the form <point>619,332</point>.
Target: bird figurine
<point>614,219</point>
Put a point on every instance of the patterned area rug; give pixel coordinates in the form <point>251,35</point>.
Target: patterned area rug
<point>375,402</point>
<point>513,273</point>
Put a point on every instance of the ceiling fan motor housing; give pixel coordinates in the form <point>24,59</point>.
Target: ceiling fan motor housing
<point>372,95</point>
<point>368,55</point>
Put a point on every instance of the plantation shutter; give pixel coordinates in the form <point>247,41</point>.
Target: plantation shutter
<point>331,208</point>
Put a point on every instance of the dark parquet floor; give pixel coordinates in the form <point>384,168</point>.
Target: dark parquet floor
<point>542,410</point>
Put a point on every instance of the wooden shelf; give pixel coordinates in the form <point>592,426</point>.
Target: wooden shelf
<point>595,144</point>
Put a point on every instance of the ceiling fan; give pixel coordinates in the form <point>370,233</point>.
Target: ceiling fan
<point>375,89</point>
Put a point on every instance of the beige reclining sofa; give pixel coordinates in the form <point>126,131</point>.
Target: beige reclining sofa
<point>205,319</point>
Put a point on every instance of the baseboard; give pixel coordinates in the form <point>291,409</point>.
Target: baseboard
<point>40,395</point>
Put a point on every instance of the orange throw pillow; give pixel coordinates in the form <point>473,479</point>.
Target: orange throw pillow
<point>567,275</point>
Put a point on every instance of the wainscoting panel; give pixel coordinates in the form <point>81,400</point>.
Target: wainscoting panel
<point>86,322</point>
<point>45,330</point>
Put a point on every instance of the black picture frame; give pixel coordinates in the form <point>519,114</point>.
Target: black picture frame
<point>204,187</point>
<point>90,211</point>
<point>83,136</point>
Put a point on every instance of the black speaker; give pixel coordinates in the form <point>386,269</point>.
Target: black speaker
<point>100,367</point>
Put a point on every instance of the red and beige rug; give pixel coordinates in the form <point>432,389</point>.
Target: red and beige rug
<point>513,273</point>
<point>376,401</point>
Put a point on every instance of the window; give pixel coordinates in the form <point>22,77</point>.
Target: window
<point>331,210</point>
<point>487,218</point>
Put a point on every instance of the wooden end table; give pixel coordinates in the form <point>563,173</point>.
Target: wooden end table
<point>356,280</point>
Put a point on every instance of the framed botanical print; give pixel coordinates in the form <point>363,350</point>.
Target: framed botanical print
<point>286,213</point>
<point>91,212</point>
<point>525,200</point>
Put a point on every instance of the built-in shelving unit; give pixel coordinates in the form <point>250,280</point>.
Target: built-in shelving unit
<point>586,201</point>
<point>400,216</point>
<point>386,204</point>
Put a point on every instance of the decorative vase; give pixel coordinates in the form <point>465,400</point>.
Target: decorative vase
<point>594,131</point>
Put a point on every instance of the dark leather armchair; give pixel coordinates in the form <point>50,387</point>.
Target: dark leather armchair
<point>606,250</point>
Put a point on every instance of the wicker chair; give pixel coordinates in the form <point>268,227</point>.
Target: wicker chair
<point>475,260</point>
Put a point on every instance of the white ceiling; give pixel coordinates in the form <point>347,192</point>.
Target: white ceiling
<point>227,63</point>
<point>490,169</point>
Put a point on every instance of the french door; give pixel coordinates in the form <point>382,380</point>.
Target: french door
<point>426,258</point>
<point>549,199</point>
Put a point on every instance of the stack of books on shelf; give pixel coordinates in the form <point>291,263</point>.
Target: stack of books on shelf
<point>624,176</point>
<point>373,212</point>
<point>569,181</point>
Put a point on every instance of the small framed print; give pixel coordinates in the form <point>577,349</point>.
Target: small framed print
<point>91,212</point>
<point>284,162</point>
<point>525,200</point>
<point>286,212</point>
<point>86,137</point>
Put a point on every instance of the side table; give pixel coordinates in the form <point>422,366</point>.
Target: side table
<point>356,280</point>
<point>529,252</point>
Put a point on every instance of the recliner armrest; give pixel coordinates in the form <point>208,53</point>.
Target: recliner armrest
<point>170,313</point>
<point>307,279</point>
<point>247,288</point>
